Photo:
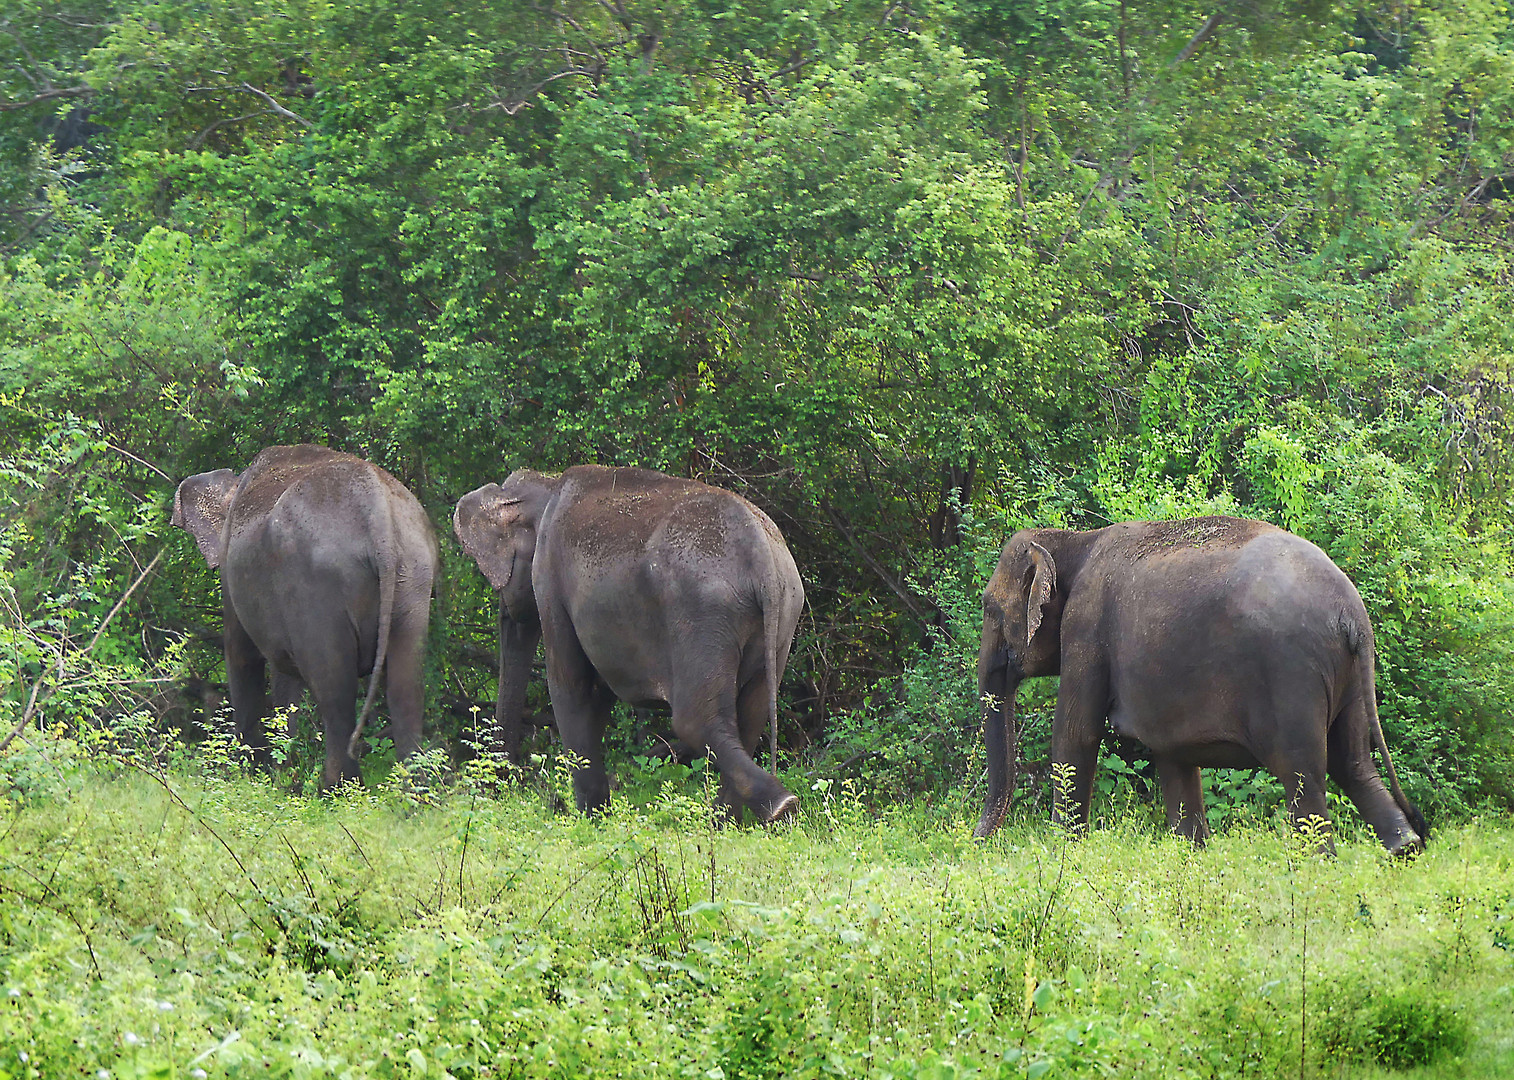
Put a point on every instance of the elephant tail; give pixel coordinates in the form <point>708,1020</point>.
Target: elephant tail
<point>386,549</point>
<point>777,597</point>
<point>1366,663</point>
<point>770,620</point>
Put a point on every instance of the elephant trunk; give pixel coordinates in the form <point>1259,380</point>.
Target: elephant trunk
<point>996,689</point>
<point>517,652</point>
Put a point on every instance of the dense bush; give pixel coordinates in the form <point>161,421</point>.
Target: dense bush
<point>887,269</point>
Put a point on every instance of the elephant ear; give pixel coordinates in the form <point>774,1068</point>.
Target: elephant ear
<point>486,522</point>
<point>199,508</point>
<point>1042,584</point>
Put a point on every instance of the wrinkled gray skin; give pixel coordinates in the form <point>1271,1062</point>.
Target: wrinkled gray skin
<point>327,564</point>
<point>1214,641</point>
<point>647,588</point>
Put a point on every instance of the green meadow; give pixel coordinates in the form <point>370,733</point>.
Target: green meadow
<point>201,923</point>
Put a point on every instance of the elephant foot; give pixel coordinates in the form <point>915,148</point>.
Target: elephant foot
<point>787,807</point>
<point>993,817</point>
<point>331,785</point>
<point>1406,845</point>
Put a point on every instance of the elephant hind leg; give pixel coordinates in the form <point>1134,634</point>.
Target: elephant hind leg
<point>247,685</point>
<point>1304,789</point>
<point>1288,737</point>
<point>1351,766</point>
<point>708,714</point>
<point>336,700</point>
<point>1303,780</point>
<point>1183,794</point>
<point>329,670</point>
<point>752,717</point>
<point>404,680</point>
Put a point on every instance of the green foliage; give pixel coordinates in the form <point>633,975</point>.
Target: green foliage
<point>1065,262</point>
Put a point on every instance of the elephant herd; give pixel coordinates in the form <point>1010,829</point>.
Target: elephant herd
<point>1213,641</point>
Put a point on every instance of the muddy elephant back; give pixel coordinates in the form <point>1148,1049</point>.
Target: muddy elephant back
<point>325,477</point>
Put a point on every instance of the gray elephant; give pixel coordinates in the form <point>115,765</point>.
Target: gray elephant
<point>648,588</point>
<point>327,564</point>
<point>1214,641</point>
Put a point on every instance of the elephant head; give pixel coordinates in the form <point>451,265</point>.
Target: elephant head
<point>1022,612</point>
<point>199,508</point>
<point>496,525</point>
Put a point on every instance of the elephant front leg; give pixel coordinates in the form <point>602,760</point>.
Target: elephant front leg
<point>517,651</point>
<point>583,736</point>
<point>581,703</point>
<point>1183,794</point>
<point>246,681</point>
<point>1082,707</point>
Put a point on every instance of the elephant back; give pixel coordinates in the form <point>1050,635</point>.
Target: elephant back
<point>612,513</point>
<point>278,468</point>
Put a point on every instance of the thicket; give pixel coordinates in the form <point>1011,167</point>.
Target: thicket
<point>907,275</point>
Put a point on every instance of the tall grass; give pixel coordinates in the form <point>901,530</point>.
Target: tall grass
<point>176,925</point>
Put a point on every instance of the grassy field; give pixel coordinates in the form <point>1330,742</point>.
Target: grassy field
<point>180,925</point>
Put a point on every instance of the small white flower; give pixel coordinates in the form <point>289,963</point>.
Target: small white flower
<point>24,1056</point>
<point>165,1006</point>
<point>131,1038</point>
<point>197,1074</point>
<point>14,991</point>
<point>103,1074</point>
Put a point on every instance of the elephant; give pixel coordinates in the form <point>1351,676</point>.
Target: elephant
<point>647,588</point>
<point>327,564</point>
<point>1214,641</point>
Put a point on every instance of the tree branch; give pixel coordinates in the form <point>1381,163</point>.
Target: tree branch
<point>47,95</point>
<point>199,140</point>
<point>921,609</point>
<point>32,702</point>
<point>1205,33</point>
<point>275,106</point>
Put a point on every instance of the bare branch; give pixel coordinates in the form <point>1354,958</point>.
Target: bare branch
<point>33,701</point>
<point>30,228</point>
<point>139,461</point>
<point>199,140</point>
<point>524,100</point>
<point>920,608</point>
<point>20,44</point>
<point>59,17</point>
<point>1205,33</point>
<point>575,25</point>
<point>49,95</point>
<point>276,107</point>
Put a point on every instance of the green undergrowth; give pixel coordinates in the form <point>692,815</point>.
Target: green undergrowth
<point>170,925</point>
